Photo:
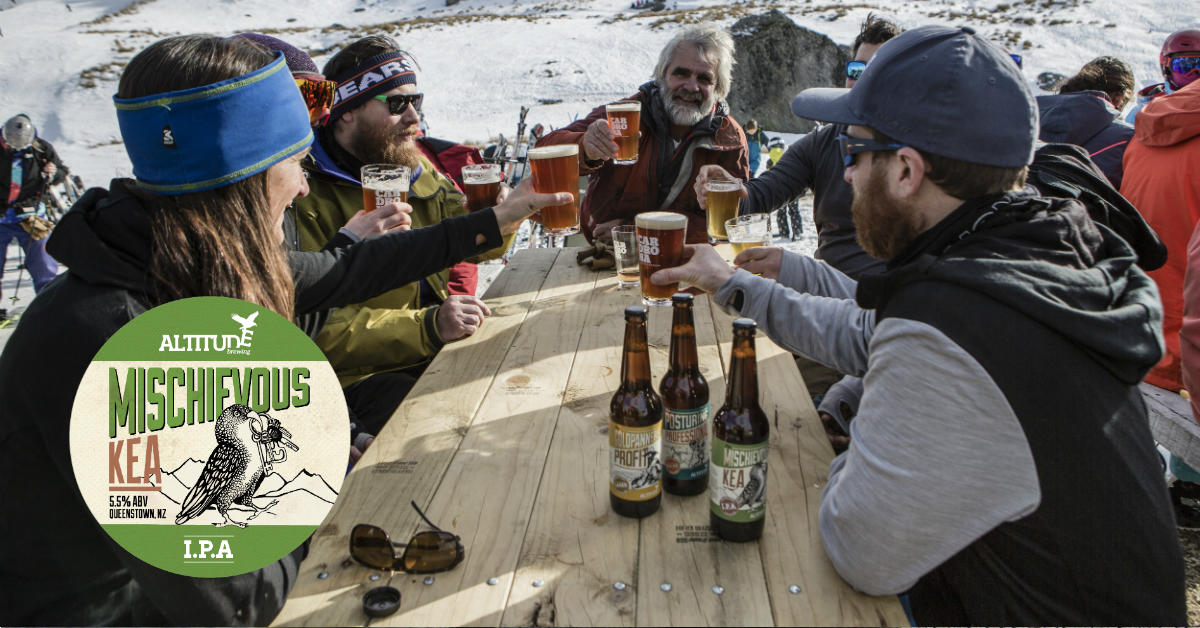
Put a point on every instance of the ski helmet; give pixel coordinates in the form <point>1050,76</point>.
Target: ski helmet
<point>19,132</point>
<point>1177,43</point>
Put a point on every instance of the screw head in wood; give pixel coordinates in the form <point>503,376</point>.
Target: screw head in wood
<point>373,577</point>
<point>323,575</point>
<point>428,580</point>
<point>493,581</point>
<point>794,589</point>
<point>718,590</point>
<point>666,587</point>
<point>538,583</point>
<point>620,586</point>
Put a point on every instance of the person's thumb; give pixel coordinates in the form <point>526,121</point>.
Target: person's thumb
<point>668,276</point>
<point>550,200</point>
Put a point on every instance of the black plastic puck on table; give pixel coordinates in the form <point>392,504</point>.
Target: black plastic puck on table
<point>381,601</point>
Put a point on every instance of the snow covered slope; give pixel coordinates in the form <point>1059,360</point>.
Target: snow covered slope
<point>480,60</point>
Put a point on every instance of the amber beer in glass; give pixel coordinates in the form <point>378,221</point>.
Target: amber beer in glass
<point>635,428</point>
<point>556,169</point>
<point>724,195</point>
<point>684,393</point>
<point>623,118</point>
<point>482,184</point>
<point>738,473</point>
<point>660,245</point>
<point>383,184</point>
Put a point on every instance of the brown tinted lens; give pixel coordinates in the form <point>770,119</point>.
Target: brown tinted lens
<point>431,551</point>
<point>370,546</point>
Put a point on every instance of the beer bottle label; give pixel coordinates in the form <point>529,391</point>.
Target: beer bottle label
<point>635,470</point>
<point>685,443</point>
<point>738,484</point>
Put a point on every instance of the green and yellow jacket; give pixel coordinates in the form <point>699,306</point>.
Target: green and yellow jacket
<point>391,331</point>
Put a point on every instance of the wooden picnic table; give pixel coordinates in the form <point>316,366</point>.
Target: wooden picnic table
<point>504,442</point>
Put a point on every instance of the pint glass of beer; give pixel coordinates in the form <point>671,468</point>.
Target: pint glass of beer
<point>623,118</point>
<point>482,184</point>
<point>660,245</point>
<point>556,169</point>
<point>723,198</point>
<point>749,231</point>
<point>383,184</point>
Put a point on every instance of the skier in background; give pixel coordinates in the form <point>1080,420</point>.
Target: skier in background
<point>755,140</point>
<point>30,166</point>
<point>1179,61</point>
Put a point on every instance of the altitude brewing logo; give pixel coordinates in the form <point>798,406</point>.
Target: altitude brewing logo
<point>209,437</point>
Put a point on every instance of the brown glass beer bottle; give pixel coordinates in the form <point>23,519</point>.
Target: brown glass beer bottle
<point>635,428</point>
<point>738,482</point>
<point>684,393</point>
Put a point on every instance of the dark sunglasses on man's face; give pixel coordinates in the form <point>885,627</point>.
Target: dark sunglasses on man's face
<point>399,103</point>
<point>854,69</point>
<point>852,146</point>
<point>426,552</point>
<point>1185,65</point>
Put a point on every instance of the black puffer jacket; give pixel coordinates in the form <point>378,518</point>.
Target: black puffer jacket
<point>1087,120</point>
<point>59,567</point>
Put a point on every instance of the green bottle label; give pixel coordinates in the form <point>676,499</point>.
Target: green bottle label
<point>685,443</point>
<point>738,483</point>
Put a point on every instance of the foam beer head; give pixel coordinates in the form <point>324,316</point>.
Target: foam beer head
<point>661,220</point>
<point>481,174</point>
<point>550,152</point>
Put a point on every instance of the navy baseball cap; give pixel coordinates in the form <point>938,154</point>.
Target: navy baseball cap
<point>942,90</point>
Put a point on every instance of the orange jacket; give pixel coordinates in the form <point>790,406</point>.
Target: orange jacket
<point>663,175</point>
<point>1162,179</point>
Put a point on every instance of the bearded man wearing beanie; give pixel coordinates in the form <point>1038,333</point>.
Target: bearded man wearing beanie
<point>1001,469</point>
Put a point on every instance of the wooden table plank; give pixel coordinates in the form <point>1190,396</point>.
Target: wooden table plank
<point>800,455</point>
<point>488,492</point>
<point>412,452</point>
<point>678,546</point>
<point>575,544</point>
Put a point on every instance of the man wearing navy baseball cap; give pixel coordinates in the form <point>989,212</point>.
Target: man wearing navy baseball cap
<point>1001,468</point>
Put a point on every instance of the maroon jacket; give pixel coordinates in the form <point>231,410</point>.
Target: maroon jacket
<point>450,159</point>
<point>663,176</point>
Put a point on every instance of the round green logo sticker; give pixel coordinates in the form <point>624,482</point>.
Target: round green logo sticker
<point>209,437</point>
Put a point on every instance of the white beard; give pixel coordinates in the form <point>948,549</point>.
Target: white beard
<point>683,114</point>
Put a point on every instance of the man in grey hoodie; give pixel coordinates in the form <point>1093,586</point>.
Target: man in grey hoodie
<point>1001,468</point>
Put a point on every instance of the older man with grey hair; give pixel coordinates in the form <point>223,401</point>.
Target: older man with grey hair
<point>685,125</point>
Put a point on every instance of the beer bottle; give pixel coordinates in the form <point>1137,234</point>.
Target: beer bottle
<point>635,428</point>
<point>738,485</point>
<point>684,392</point>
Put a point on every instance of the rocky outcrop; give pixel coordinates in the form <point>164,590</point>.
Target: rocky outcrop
<point>776,59</point>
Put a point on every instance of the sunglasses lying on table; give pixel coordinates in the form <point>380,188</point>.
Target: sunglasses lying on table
<point>426,552</point>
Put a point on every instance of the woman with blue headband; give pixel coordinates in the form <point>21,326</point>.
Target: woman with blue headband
<point>215,129</point>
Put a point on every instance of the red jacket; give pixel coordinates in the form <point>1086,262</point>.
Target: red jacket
<point>663,176</point>
<point>450,159</point>
<point>1162,179</point>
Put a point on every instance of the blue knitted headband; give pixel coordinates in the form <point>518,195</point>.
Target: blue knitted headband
<point>211,136</point>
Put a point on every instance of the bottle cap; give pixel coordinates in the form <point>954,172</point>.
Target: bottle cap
<point>381,601</point>
<point>681,297</point>
<point>744,323</point>
<point>635,311</point>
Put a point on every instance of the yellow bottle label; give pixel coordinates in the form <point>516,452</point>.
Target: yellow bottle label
<point>635,467</point>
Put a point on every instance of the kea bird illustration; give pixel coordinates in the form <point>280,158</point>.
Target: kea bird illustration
<point>755,491</point>
<point>236,468</point>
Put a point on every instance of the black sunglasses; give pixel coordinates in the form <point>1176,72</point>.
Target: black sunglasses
<point>852,146</point>
<point>399,103</point>
<point>426,552</point>
<point>854,69</point>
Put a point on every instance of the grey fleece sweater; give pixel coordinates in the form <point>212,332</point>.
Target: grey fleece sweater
<point>937,457</point>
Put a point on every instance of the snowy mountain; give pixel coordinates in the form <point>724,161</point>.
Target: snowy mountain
<point>480,60</point>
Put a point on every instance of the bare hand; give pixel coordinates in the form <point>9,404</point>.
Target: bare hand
<point>598,142</point>
<point>761,260</point>
<point>461,315</point>
<point>711,172</point>
<point>604,231</point>
<point>366,224</point>
<point>704,269</point>
<point>523,201</point>
<point>50,169</point>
